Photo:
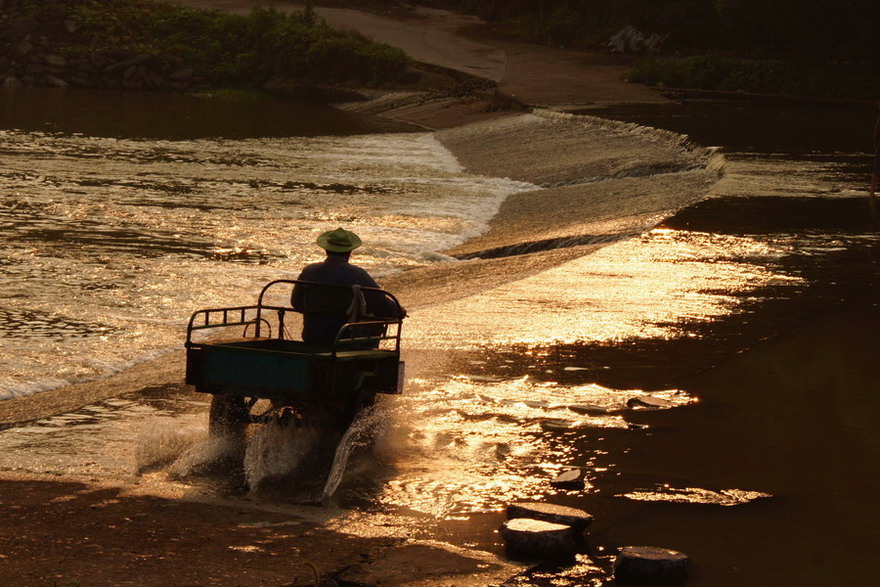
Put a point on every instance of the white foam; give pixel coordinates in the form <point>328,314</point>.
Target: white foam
<point>449,162</point>
<point>12,388</point>
<point>203,453</point>
<point>163,442</point>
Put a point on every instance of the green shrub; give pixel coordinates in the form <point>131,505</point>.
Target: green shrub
<point>225,49</point>
<point>760,76</point>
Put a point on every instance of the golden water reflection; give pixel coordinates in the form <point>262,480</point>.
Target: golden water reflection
<point>462,446</point>
<point>645,287</point>
<point>466,444</point>
<point>724,497</point>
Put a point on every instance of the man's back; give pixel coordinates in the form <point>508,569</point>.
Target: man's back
<point>336,270</point>
<point>322,328</point>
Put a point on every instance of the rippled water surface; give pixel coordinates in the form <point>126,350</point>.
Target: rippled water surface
<point>589,363</point>
<point>108,244</point>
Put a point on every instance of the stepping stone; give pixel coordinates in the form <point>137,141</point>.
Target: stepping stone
<point>528,540</point>
<point>649,563</point>
<point>571,479</point>
<point>588,409</point>
<point>556,514</point>
<point>648,402</point>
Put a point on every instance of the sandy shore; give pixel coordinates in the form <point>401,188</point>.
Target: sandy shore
<point>76,531</point>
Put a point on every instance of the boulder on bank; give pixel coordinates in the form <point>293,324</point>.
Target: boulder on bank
<point>56,61</point>
<point>55,53</point>
<point>29,63</point>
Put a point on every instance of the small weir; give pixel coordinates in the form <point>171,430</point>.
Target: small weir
<point>547,245</point>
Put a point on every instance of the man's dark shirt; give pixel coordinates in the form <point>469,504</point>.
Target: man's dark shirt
<point>336,270</point>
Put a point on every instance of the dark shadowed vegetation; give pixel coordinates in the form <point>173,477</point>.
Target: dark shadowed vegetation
<point>765,76</point>
<point>816,47</point>
<point>218,48</point>
<point>791,29</point>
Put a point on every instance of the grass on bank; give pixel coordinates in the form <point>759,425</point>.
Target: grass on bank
<point>225,49</point>
<point>762,76</point>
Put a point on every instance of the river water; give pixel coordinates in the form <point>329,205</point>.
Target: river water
<point>111,239</point>
<point>589,328</point>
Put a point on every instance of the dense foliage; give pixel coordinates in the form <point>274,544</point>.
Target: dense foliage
<point>792,29</point>
<point>827,48</point>
<point>766,76</point>
<point>222,48</point>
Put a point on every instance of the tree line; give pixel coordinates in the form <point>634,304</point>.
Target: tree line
<point>826,30</point>
<point>82,42</point>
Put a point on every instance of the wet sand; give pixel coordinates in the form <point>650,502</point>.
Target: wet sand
<point>78,532</point>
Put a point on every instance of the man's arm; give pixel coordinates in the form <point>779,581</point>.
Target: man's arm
<point>382,306</point>
<point>297,296</point>
<point>378,304</point>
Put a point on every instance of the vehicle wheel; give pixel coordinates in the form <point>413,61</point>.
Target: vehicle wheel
<point>228,417</point>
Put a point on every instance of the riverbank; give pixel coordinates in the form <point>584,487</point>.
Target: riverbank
<point>477,77</point>
<point>162,46</point>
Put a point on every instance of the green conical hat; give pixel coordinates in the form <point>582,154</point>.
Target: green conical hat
<point>339,241</point>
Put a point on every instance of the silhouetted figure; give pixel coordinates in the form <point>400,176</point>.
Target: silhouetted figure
<point>322,328</point>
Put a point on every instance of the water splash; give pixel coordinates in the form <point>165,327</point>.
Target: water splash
<point>284,454</point>
<point>205,456</point>
<point>366,427</point>
<point>162,442</point>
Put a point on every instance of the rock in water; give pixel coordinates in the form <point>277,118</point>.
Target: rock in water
<point>649,563</point>
<point>529,539</point>
<point>556,514</point>
<point>648,402</point>
<point>571,479</point>
<point>55,61</point>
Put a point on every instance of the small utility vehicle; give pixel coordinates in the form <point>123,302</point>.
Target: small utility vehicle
<point>321,384</point>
